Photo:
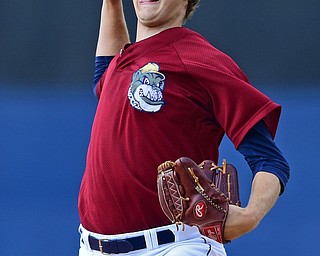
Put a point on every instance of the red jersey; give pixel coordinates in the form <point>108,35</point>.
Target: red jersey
<point>164,97</point>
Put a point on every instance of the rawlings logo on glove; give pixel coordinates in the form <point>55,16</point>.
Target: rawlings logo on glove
<point>198,195</point>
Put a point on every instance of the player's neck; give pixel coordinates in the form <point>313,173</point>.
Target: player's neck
<point>144,32</point>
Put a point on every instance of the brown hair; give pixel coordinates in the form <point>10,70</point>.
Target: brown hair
<point>192,5</point>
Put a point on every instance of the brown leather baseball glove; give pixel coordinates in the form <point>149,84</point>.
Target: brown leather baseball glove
<point>198,194</point>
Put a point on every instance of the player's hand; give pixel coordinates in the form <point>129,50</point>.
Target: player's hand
<point>239,221</point>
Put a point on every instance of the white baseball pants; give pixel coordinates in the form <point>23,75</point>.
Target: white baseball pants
<point>187,242</point>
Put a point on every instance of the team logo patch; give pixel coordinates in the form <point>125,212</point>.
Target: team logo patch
<point>200,209</point>
<point>146,88</point>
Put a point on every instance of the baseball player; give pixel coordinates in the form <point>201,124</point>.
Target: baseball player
<point>168,94</point>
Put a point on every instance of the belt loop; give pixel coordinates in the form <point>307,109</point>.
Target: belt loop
<point>84,236</point>
<point>154,238</point>
<point>148,238</point>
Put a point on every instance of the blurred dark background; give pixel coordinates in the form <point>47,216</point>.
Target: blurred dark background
<point>47,107</point>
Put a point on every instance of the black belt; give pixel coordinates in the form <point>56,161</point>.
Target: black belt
<point>116,246</point>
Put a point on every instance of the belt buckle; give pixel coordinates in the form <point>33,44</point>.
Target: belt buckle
<point>101,246</point>
<point>115,246</point>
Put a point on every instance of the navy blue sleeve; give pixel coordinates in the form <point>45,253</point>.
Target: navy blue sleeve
<point>262,154</point>
<point>101,65</point>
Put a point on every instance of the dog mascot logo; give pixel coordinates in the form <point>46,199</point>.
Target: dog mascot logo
<point>146,89</point>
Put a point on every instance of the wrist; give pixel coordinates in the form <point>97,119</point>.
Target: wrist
<point>239,222</point>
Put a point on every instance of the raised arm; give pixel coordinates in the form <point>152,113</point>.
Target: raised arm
<point>113,33</point>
